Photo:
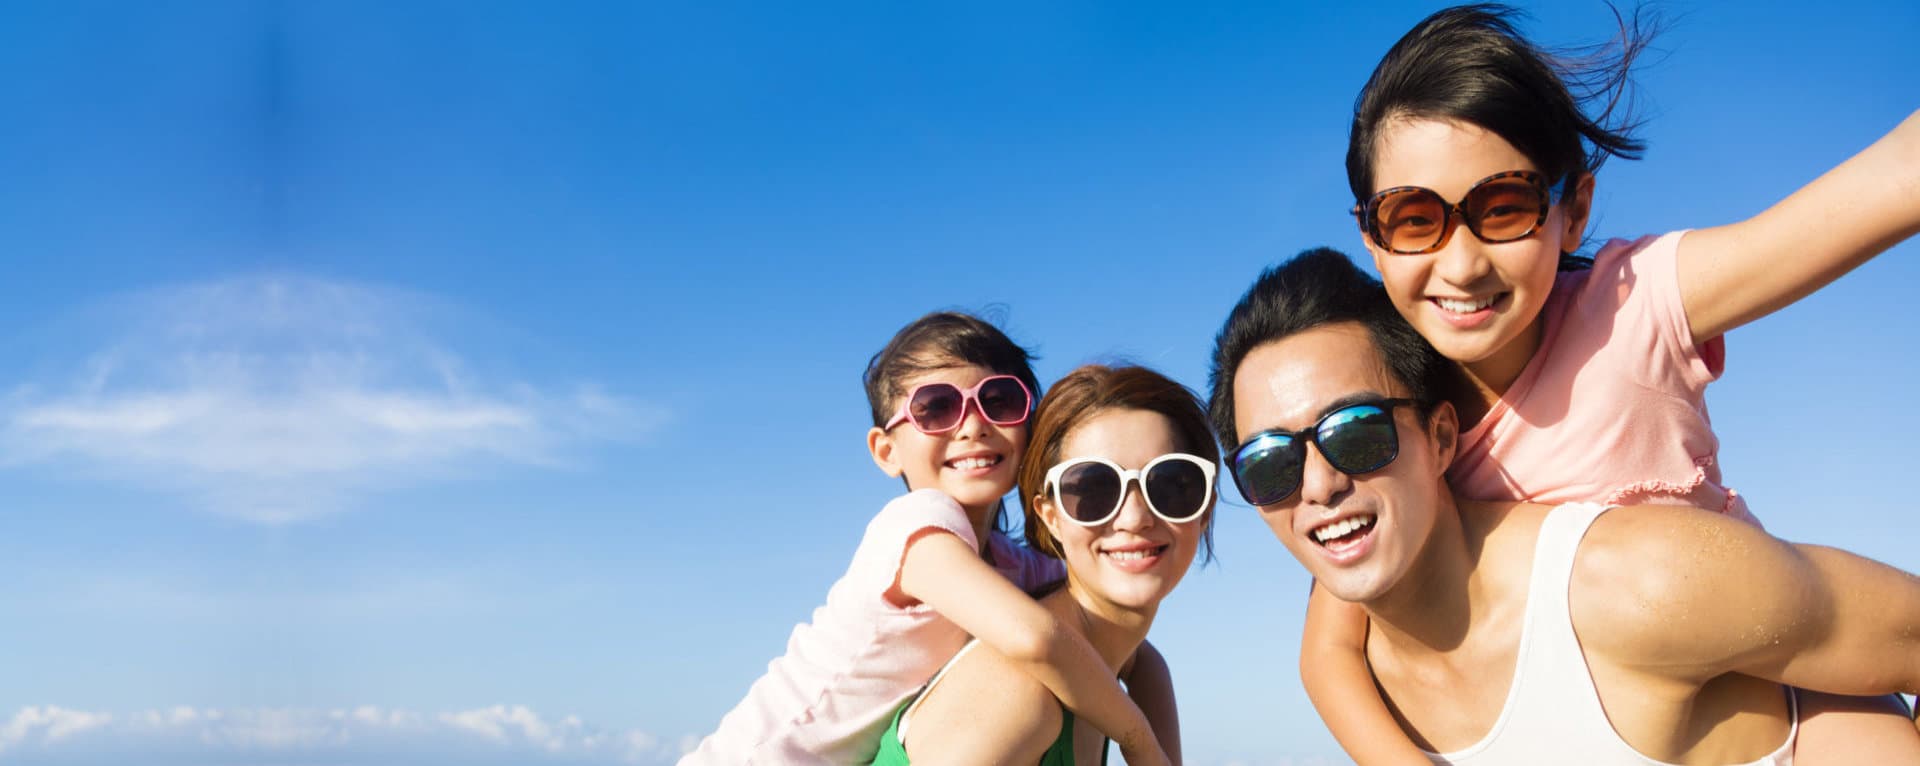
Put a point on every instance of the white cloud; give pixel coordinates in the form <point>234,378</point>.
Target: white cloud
<point>47,724</point>
<point>282,399</point>
<point>366,734</point>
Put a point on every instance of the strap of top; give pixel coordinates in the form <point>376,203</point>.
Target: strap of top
<point>907,716</point>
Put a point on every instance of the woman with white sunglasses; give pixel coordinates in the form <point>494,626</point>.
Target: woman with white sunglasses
<point>1118,481</point>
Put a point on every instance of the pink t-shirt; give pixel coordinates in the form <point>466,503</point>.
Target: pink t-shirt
<point>1612,407</point>
<point>831,696</point>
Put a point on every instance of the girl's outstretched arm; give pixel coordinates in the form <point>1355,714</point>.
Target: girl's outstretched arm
<point>1333,667</point>
<point>1731,275</point>
<point>944,572</point>
<point>1150,684</point>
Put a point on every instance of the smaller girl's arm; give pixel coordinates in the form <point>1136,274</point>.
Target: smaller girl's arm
<point>1150,684</point>
<point>947,574</point>
<point>1333,667</point>
<point>1731,275</point>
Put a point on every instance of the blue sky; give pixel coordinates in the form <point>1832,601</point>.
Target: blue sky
<point>467,383</point>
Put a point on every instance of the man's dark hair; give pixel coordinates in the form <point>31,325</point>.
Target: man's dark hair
<point>1320,287</point>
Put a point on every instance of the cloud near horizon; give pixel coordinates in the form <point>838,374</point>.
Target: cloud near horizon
<point>282,399</point>
<point>366,734</point>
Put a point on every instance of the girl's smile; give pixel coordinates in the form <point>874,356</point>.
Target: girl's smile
<point>1478,303</point>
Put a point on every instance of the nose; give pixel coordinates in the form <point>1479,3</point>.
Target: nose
<point>973,420</point>
<point>1320,482</point>
<point>1134,514</point>
<point>1462,260</point>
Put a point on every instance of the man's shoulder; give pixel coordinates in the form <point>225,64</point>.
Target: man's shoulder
<point>1648,582</point>
<point>1501,525</point>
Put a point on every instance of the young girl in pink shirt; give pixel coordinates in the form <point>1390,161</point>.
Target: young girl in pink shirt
<point>951,396</point>
<point>1472,168</point>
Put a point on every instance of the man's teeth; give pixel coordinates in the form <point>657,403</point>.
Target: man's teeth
<point>1465,307</point>
<point>1342,527</point>
<point>971,463</point>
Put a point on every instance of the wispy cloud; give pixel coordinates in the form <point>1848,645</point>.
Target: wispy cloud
<point>369,735</point>
<point>49,724</point>
<point>278,399</point>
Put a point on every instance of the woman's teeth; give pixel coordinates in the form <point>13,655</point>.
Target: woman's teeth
<point>1342,528</point>
<point>1465,307</point>
<point>1133,555</point>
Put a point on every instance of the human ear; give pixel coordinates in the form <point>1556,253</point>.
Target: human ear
<point>1443,426</point>
<point>1050,519</point>
<point>1574,209</point>
<point>1374,250</point>
<point>880,446</point>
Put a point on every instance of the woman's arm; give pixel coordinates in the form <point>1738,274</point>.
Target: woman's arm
<point>1333,667</point>
<point>944,572</point>
<point>1150,684</point>
<point>1731,275</point>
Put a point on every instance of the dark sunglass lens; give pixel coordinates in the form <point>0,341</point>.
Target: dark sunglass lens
<point>1267,470</point>
<point>1410,219</point>
<point>1089,491</point>
<point>1505,209</point>
<point>1359,439</point>
<point>935,407</point>
<point>1177,488</point>
<point>1004,401</point>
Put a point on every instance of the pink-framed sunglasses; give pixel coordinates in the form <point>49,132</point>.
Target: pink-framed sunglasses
<point>936,408</point>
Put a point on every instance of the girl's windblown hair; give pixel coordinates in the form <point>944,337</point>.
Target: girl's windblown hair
<point>1566,111</point>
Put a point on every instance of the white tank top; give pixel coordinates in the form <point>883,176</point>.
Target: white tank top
<point>1553,714</point>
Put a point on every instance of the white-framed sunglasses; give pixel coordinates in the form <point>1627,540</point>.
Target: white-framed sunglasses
<point>1089,491</point>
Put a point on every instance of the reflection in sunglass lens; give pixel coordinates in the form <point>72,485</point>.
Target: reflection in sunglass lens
<point>1411,219</point>
<point>935,407</point>
<point>1268,470</point>
<point>1003,401</point>
<point>1177,488</point>
<point>1358,439</point>
<point>1504,209</point>
<point>1089,491</point>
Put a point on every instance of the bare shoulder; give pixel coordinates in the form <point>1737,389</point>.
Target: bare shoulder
<point>1496,520</point>
<point>1672,587</point>
<point>1505,532</point>
<point>984,710</point>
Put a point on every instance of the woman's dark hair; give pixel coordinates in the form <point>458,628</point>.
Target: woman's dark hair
<point>1089,391</point>
<point>1320,287</point>
<point>1469,63</point>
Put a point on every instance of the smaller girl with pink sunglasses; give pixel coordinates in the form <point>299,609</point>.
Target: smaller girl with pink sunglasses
<point>950,397</point>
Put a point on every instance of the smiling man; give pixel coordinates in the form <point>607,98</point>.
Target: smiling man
<point>1515,632</point>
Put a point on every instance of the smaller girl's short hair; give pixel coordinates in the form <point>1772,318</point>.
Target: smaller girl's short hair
<point>938,340</point>
<point>1090,391</point>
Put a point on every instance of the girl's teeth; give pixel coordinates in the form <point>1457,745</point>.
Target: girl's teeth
<point>971,463</point>
<point>1130,555</point>
<point>1464,307</point>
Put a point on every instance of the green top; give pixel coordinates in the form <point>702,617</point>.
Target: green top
<point>892,753</point>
